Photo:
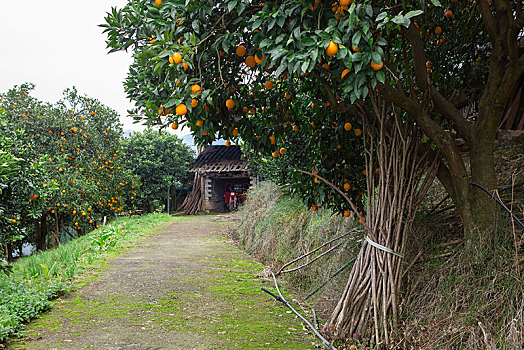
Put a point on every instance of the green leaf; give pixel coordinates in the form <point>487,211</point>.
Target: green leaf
<point>280,21</point>
<point>305,66</point>
<point>381,16</point>
<point>307,41</point>
<point>266,42</point>
<point>232,5</point>
<point>381,76</point>
<point>376,57</point>
<point>411,14</point>
<point>356,39</point>
<point>281,68</point>
<point>240,8</point>
<point>369,10</point>
<point>342,53</point>
<point>257,24</point>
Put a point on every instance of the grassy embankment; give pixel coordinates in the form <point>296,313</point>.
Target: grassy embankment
<point>449,300</point>
<point>277,229</point>
<point>35,280</point>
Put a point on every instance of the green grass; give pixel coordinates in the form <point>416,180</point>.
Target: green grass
<point>37,279</point>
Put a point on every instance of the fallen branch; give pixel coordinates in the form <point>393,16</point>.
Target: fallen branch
<point>312,261</point>
<point>281,298</point>
<point>314,250</point>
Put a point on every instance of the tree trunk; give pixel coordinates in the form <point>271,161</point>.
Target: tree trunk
<point>476,209</point>
<point>9,252</point>
<point>41,233</point>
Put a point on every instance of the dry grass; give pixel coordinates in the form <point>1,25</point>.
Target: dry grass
<point>456,301</point>
<point>277,229</point>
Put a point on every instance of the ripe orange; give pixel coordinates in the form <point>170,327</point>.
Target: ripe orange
<point>228,143</point>
<point>230,103</point>
<point>171,60</point>
<point>295,127</point>
<point>355,49</point>
<point>428,64</point>
<point>345,2</point>
<point>377,67</point>
<point>364,172</point>
<point>194,103</point>
<point>196,89</point>
<point>245,109</point>
<point>275,154</point>
<point>34,196</point>
<point>234,132</point>
<point>185,66</point>
<point>358,132</point>
<point>199,123</point>
<point>177,58</point>
<point>250,61</point>
<point>268,85</point>
<point>314,207</point>
<point>448,13</point>
<point>174,126</point>
<point>259,59</point>
<point>347,186</point>
<point>181,109</point>
<point>348,126</point>
<point>344,73</point>
<point>282,151</point>
<point>272,139</point>
<point>377,171</point>
<point>288,95</point>
<point>241,50</point>
<point>332,49</point>
<point>347,213</point>
<point>314,7</point>
<point>438,30</point>
<point>158,2</point>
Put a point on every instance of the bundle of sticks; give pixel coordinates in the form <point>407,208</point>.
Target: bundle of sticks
<point>194,202</point>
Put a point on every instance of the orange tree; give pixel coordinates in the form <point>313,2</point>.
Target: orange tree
<point>160,161</point>
<point>77,145</point>
<point>20,176</point>
<point>191,57</point>
<point>239,68</point>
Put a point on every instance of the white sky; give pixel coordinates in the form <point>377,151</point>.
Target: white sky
<point>58,44</point>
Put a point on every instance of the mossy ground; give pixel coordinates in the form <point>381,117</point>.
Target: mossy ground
<point>184,287</point>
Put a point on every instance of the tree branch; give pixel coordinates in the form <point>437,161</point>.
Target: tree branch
<point>335,105</point>
<point>415,110</point>
<point>446,108</point>
<point>487,18</point>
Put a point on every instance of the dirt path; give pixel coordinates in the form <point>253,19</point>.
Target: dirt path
<point>183,287</point>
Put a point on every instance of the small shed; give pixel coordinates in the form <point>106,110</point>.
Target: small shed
<point>222,178</point>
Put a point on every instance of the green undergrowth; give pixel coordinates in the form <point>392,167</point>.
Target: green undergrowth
<point>32,282</point>
<point>277,229</point>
